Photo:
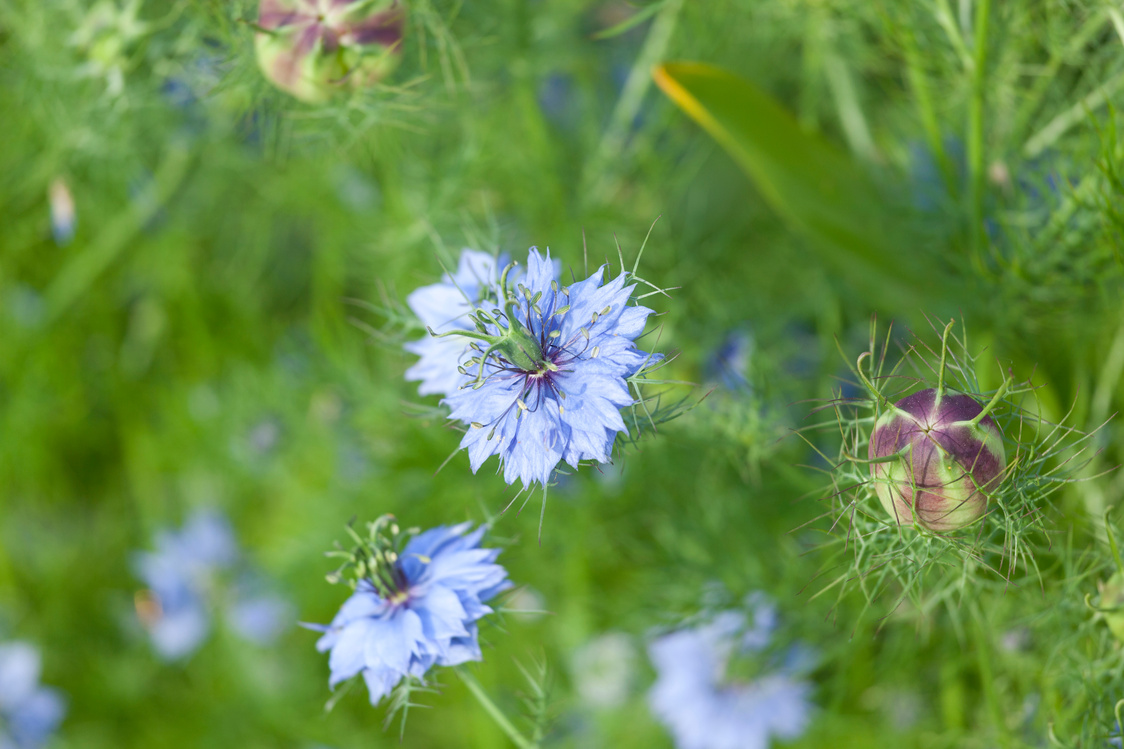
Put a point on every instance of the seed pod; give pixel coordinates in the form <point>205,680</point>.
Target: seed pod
<point>315,48</point>
<point>949,457</point>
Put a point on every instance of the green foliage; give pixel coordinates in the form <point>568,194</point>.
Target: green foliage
<point>203,340</point>
<point>820,189</point>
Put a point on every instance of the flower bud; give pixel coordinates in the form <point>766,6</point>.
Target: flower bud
<point>314,48</point>
<point>938,457</point>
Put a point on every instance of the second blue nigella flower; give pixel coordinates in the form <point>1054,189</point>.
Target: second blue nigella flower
<point>549,375</point>
<point>414,607</point>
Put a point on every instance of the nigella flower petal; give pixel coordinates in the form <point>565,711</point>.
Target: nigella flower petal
<point>473,607</point>
<point>486,594</point>
<point>631,322</point>
<point>538,447</point>
<point>363,604</point>
<point>349,649</point>
<point>380,682</point>
<point>445,306</point>
<point>437,364</point>
<point>464,569</point>
<point>429,543</point>
<point>462,650</point>
<point>541,271</point>
<point>442,614</point>
<point>396,640</point>
<point>441,306</point>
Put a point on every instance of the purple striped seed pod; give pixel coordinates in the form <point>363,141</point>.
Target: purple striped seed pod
<point>315,48</point>
<point>950,460</point>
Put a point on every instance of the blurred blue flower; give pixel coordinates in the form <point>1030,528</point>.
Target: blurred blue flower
<point>551,384</point>
<point>64,215</point>
<point>183,588</point>
<point>704,709</point>
<point>443,307</point>
<point>728,365</point>
<point>256,614</point>
<point>417,611</point>
<point>29,713</point>
<point>180,575</point>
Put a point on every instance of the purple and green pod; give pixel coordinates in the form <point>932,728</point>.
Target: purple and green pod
<point>315,48</point>
<point>935,459</point>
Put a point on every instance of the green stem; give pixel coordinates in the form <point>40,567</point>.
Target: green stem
<point>944,357</point>
<point>869,385</point>
<point>117,236</point>
<point>1112,542</point>
<point>919,83</point>
<point>987,677</point>
<point>975,131</point>
<point>639,80</point>
<point>991,404</point>
<point>496,714</point>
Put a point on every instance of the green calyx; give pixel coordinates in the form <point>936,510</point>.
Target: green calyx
<point>515,344</point>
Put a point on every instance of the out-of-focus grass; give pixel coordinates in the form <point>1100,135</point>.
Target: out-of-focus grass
<point>194,345</point>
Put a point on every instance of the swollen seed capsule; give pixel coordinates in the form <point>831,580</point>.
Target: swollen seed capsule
<point>315,48</point>
<point>939,460</point>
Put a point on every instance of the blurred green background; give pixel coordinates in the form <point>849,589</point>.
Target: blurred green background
<point>205,340</point>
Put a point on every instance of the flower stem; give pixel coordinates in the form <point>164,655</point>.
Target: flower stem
<point>976,131</point>
<point>991,404</point>
<point>1112,543</point>
<point>944,356</point>
<point>987,676</point>
<point>493,711</point>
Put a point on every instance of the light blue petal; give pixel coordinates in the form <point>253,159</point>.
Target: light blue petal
<point>348,656</point>
<point>179,633</point>
<point>394,644</point>
<point>19,673</point>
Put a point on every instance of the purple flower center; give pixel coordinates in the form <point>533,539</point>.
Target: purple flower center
<point>553,356</point>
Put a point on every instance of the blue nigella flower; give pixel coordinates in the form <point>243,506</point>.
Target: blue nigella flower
<point>705,710</point>
<point>413,609</point>
<point>550,384</point>
<point>444,307</point>
<point>182,577</point>
<point>29,713</point>
<point>728,365</point>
